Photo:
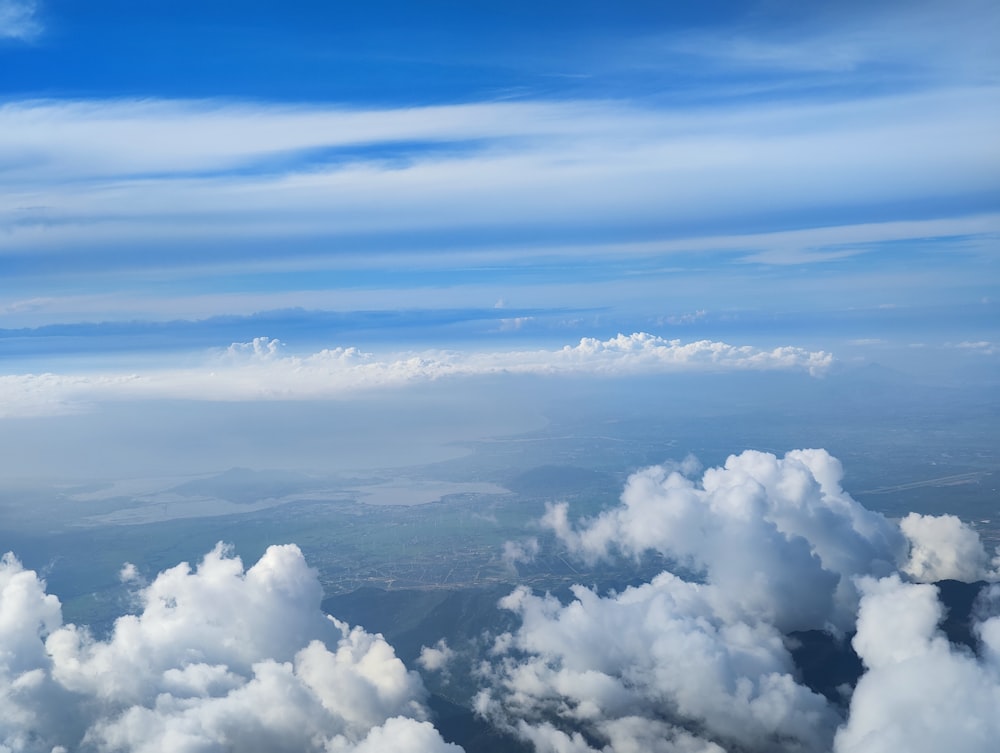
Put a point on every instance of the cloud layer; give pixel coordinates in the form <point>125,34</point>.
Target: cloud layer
<point>704,663</point>
<point>256,170</point>
<point>249,205</point>
<point>258,370</point>
<point>216,658</point>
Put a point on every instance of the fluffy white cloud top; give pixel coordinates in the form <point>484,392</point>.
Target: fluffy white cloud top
<point>259,370</point>
<point>218,658</point>
<point>436,658</point>
<point>943,547</point>
<point>780,537</point>
<point>655,661</point>
<point>920,693</point>
<point>771,545</point>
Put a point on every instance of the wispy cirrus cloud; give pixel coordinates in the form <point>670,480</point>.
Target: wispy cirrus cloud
<point>19,20</point>
<point>249,206</point>
<point>924,41</point>
<point>79,173</point>
<point>983,347</point>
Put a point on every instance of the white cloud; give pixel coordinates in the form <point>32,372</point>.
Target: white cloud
<point>108,137</point>
<point>774,545</point>
<point>798,256</point>
<point>262,348</point>
<point>933,42</point>
<point>437,657</point>
<point>129,574</point>
<point>30,304</point>
<point>943,547</point>
<point>663,660</point>
<point>168,303</point>
<point>514,324</point>
<point>689,318</point>
<point>217,656</point>
<point>258,371</point>
<point>980,346</point>
<point>19,20</point>
<point>920,694</point>
<point>779,536</point>
<point>219,166</point>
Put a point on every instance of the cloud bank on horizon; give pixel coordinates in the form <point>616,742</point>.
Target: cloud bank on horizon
<point>258,370</point>
<point>703,662</point>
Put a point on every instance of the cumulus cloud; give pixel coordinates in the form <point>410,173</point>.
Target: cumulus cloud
<point>943,547</point>
<point>259,370</point>
<point>129,574</point>
<point>437,657</point>
<point>656,661</point>
<point>218,658</point>
<point>920,693</point>
<point>780,536</point>
<point>704,662</point>
<point>259,348</point>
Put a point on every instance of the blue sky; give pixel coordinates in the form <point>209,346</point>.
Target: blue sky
<point>180,176</point>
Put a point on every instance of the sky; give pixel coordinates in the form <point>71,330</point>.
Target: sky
<point>363,235</point>
<point>178,177</point>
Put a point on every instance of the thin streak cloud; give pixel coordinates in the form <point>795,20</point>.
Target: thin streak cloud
<point>98,182</point>
<point>19,20</point>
